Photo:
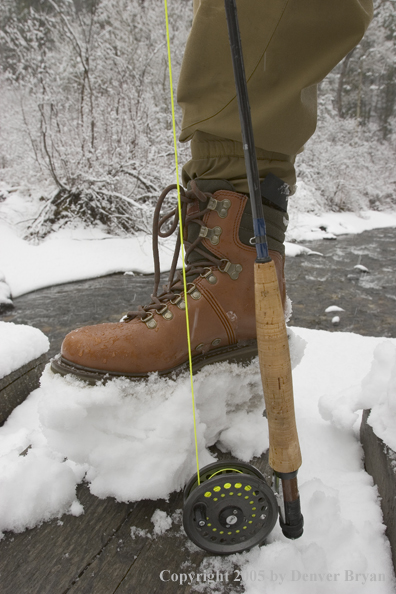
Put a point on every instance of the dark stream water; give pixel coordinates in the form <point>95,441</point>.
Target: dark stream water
<point>313,283</point>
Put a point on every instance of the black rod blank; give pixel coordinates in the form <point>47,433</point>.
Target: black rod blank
<point>247,132</point>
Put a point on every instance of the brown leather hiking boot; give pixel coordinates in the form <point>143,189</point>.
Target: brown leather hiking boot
<point>220,298</point>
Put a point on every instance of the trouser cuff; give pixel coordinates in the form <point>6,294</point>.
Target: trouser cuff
<point>221,158</point>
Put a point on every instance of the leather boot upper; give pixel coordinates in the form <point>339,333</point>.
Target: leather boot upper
<point>220,299</point>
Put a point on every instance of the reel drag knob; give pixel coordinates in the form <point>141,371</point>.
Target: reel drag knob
<point>231,510</point>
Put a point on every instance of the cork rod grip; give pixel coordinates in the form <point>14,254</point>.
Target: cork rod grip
<point>275,368</point>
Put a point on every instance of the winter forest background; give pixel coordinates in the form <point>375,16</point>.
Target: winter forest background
<point>85,112</point>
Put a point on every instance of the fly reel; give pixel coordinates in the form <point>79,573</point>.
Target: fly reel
<point>231,510</point>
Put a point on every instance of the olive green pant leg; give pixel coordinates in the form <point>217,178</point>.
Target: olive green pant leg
<point>289,46</point>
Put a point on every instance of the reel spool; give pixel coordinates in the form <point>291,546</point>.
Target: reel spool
<point>232,510</point>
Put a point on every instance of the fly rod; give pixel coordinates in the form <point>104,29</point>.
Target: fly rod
<point>272,341</point>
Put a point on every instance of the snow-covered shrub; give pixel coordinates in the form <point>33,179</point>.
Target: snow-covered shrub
<point>349,165</point>
<point>94,105</point>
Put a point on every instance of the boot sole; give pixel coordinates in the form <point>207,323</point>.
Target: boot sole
<point>238,353</point>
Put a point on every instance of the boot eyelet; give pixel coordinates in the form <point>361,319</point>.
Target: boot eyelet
<point>165,313</point>
<point>194,292</point>
<point>212,234</point>
<point>220,206</point>
<point>149,321</point>
<point>210,277</point>
<point>216,341</point>
<point>233,270</point>
<point>199,346</point>
<point>179,301</point>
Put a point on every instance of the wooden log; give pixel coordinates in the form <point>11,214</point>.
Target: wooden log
<point>51,557</point>
<point>379,461</point>
<point>16,386</point>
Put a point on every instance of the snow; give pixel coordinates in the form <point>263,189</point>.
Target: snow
<point>294,249</point>
<point>306,226</point>
<point>19,345</point>
<point>137,532</point>
<point>162,522</point>
<point>71,255</point>
<point>383,402</point>
<point>135,440</point>
<point>333,308</point>
<point>361,268</point>
<point>378,393</point>
<point>309,222</point>
<point>42,486</point>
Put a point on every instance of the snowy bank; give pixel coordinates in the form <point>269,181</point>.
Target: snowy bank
<point>72,255</point>
<point>134,440</point>
<point>82,253</point>
<point>309,221</point>
<point>308,227</point>
<point>19,344</point>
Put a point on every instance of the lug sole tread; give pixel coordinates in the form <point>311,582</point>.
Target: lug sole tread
<point>238,353</point>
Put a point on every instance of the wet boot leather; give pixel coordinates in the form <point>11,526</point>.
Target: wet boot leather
<point>220,299</point>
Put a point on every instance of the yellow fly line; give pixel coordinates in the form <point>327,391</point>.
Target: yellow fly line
<point>181,233</point>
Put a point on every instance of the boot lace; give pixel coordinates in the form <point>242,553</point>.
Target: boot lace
<point>175,286</point>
